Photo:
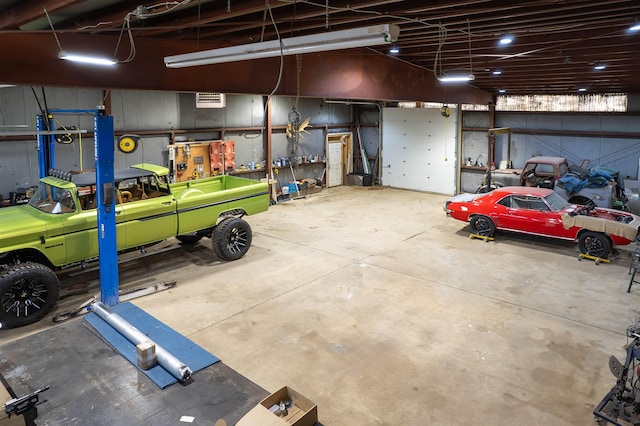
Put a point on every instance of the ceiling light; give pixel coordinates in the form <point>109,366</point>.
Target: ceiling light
<point>635,27</point>
<point>582,89</point>
<point>497,72</point>
<point>336,40</point>
<point>85,59</point>
<point>599,67</point>
<point>502,90</point>
<point>455,77</point>
<point>506,40</point>
<point>394,50</point>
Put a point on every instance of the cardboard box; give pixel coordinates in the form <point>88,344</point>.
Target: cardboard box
<point>146,355</point>
<point>303,412</point>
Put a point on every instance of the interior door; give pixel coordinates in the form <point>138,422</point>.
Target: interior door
<point>339,154</point>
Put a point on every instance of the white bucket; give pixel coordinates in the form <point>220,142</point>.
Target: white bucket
<point>285,189</point>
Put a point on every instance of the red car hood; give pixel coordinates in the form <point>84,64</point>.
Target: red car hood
<point>610,221</point>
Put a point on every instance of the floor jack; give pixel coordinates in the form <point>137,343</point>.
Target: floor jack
<point>596,259</point>
<point>485,238</point>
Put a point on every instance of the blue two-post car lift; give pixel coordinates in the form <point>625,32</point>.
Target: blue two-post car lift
<point>105,188</point>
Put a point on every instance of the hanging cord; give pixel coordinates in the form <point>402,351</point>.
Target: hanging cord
<point>43,111</point>
<point>198,28</point>
<point>126,26</point>
<point>293,18</point>
<point>326,24</point>
<point>52,29</point>
<point>141,12</point>
<point>325,5</point>
<point>446,135</point>
<point>437,62</point>
<point>470,58</point>
<point>264,120</point>
<point>298,72</point>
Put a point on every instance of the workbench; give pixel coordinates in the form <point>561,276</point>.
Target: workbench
<point>90,383</point>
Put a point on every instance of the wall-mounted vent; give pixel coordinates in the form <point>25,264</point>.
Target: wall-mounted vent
<point>210,100</point>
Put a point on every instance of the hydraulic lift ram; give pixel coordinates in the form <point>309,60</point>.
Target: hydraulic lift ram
<point>169,362</point>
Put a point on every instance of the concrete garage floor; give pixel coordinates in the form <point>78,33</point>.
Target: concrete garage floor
<point>375,305</point>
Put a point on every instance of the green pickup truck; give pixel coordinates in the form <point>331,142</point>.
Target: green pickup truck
<point>58,227</point>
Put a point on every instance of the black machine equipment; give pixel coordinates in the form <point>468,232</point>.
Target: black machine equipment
<point>623,400</point>
<point>26,404</point>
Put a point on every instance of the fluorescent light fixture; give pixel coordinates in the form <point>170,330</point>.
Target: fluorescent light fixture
<point>94,60</point>
<point>455,77</point>
<point>506,40</point>
<point>497,72</point>
<point>336,40</point>
<point>582,89</point>
<point>634,27</point>
<point>394,50</point>
<point>502,90</point>
<point>599,67</point>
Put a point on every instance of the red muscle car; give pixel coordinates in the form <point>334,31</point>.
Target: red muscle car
<point>541,211</point>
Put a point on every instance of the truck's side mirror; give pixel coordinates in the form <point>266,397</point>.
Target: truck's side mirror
<point>108,193</point>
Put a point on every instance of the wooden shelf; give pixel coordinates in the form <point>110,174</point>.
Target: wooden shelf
<point>484,169</point>
<point>247,171</point>
<point>299,165</point>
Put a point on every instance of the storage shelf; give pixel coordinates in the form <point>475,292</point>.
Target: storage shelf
<point>484,169</point>
<point>247,171</point>
<point>299,165</point>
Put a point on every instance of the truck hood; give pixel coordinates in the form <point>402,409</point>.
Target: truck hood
<point>18,224</point>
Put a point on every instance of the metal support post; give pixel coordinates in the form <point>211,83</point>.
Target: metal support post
<point>106,191</point>
<point>52,145</point>
<point>43,148</point>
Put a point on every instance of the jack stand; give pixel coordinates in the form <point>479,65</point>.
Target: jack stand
<point>485,238</point>
<point>596,259</point>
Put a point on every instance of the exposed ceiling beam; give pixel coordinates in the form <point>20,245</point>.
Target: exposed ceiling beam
<point>27,11</point>
<point>358,74</point>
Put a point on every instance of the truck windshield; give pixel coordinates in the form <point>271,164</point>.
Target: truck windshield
<point>50,199</point>
<point>556,202</point>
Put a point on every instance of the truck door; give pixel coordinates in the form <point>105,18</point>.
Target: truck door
<point>149,220</point>
<point>81,233</point>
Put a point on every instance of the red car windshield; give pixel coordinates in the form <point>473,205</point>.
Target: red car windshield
<point>556,202</point>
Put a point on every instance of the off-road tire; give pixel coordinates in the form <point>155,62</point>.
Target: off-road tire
<point>231,239</point>
<point>28,292</point>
